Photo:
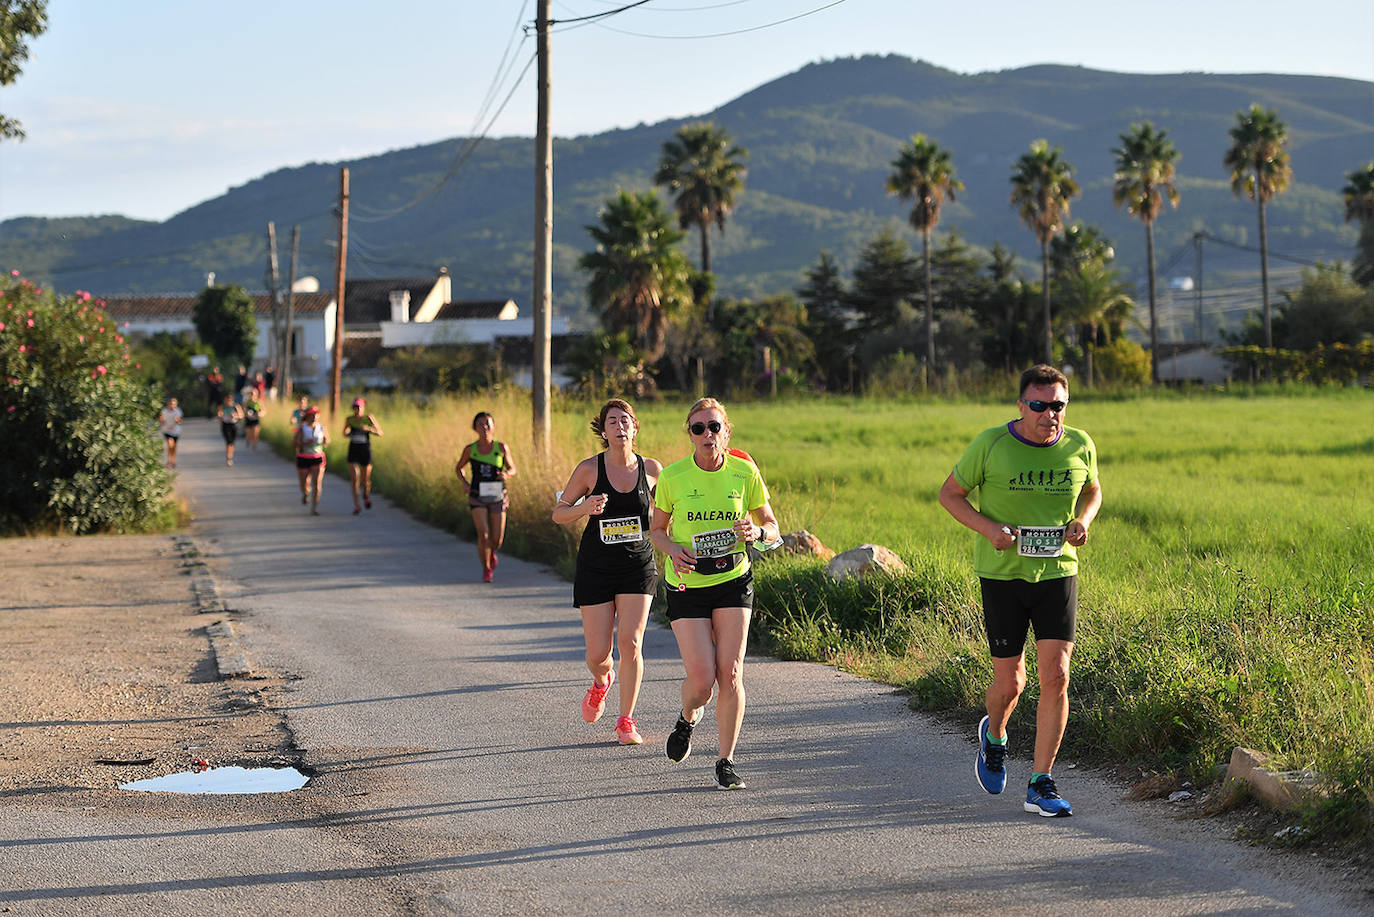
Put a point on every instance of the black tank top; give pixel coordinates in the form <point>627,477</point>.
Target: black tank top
<point>618,538</point>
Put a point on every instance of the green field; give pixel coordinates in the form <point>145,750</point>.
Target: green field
<point>1226,594</point>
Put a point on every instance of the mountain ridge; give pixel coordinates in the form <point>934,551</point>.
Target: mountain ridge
<point>821,141</point>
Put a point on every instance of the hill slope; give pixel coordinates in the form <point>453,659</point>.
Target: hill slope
<point>821,142</point>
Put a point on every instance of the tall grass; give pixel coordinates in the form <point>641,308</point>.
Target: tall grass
<point>1225,596</point>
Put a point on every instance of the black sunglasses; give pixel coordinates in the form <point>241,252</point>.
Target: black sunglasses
<point>1040,406</point>
<point>699,428</point>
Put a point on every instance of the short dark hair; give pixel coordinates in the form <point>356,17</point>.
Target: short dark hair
<point>1042,374</point>
<point>479,416</point>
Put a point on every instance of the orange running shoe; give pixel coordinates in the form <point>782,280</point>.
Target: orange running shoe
<point>594,702</point>
<point>626,732</point>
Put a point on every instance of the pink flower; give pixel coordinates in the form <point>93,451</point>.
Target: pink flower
<point>14,273</point>
<point>126,324</point>
<point>29,313</point>
<point>101,369</point>
<point>121,340</point>
<point>23,348</point>
<point>2,328</point>
<point>11,407</point>
<point>101,329</point>
<point>31,325</point>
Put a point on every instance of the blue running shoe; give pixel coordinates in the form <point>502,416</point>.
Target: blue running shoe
<point>1043,798</point>
<point>988,766</point>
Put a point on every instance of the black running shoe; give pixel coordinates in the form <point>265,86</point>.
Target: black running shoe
<point>726,776</point>
<point>680,742</point>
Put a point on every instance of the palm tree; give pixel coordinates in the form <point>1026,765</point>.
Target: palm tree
<point>924,172</point>
<point>1094,297</point>
<point>639,275</point>
<point>1144,180</point>
<point>1042,184</point>
<point>704,171</point>
<point>1359,194</point>
<point>1260,170</point>
<point>1359,205</point>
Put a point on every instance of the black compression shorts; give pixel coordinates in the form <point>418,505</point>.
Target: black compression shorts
<point>1010,607</point>
<point>701,601</point>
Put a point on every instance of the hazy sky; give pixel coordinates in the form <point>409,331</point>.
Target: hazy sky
<point>147,107</point>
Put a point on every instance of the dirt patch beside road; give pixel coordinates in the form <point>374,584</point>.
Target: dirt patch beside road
<point>106,659</point>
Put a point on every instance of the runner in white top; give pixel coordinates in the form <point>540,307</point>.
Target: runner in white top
<point>169,421</point>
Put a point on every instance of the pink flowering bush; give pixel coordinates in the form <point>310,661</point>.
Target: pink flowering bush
<point>79,454</point>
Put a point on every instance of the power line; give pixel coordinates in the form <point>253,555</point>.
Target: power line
<point>757,28</point>
<point>464,154</point>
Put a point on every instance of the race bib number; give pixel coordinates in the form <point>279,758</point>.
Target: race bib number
<point>1041,541</point>
<point>621,531</point>
<point>715,543</point>
<point>491,491</point>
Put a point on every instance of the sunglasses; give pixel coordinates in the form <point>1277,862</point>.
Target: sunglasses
<point>699,428</point>
<point>1041,406</point>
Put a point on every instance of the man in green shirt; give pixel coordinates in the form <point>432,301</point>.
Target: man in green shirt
<point>1037,494</point>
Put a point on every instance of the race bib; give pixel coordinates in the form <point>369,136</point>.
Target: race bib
<point>491,491</point>
<point>621,531</point>
<point>1040,541</point>
<point>715,543</point>
<point>359,438</point>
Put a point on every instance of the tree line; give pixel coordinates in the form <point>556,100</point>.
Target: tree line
<point>952,310</point>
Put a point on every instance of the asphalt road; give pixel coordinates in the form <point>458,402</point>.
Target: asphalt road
<point>454,773</point>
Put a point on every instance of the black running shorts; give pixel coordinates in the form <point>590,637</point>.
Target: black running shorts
<point>1012,606</point>
<point>595,587</point>
<point>359,454</point>
<point>701,601</point>
<point>229,431</point>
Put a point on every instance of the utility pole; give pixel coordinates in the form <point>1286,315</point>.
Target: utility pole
<point>336,372</point>
<point>288,343</point>
<point>1197,282</point>
<point>274,349</point>
<point>543,237</point>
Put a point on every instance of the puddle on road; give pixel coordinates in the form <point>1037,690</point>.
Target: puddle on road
<point>224,781</point>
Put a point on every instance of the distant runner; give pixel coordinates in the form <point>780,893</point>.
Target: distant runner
<point>309,440</point>
<point>488,499</point>
<point>252,416</point>
<point>169,422</point>
<point>616,572</point>
<point>230,413</point>
<point>1038,494</point>
<point>360,428</point>
<point>709,507</point>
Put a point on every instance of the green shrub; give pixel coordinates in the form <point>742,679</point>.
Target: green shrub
<point>79,454</point>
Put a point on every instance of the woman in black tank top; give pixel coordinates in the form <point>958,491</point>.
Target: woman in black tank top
<point>616,574</point>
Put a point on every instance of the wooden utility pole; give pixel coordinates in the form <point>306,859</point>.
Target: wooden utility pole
<point>336,373</point>
<point>275,348</point>
<point>543,237</point>
<point>288,343</point>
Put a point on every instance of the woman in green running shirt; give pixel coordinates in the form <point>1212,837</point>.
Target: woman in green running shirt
<point>492,467</point>
<point>710,506</point>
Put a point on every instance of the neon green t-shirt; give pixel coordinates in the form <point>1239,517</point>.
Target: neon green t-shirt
<point>1029,487</point>
<point>704,506</point>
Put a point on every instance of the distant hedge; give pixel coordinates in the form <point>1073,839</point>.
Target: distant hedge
<point>79,452</point>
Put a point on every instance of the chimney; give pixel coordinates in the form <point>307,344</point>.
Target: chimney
<point>400,305</point>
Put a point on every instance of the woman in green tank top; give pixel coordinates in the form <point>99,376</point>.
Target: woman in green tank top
<point>490,466</point>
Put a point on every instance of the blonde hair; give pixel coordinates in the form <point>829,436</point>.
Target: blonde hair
<point>706,404</point>
<point>598,423</point>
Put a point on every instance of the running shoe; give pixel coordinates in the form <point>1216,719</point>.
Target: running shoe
<point>626,732</point>
<point>357,510</point>
<point>486,575</point>
<point>1043,798</point>
<point>304,498</point>
<point>594,701</point>
<point>989,765</point>
<point>495,559</point>
<point>726,776</point>
<point>367,500</point>
<point>679,744</point>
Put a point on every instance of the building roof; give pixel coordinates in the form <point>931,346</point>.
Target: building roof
<point>472,308</point>
<point>369,301</point>
<point>182,305</point>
